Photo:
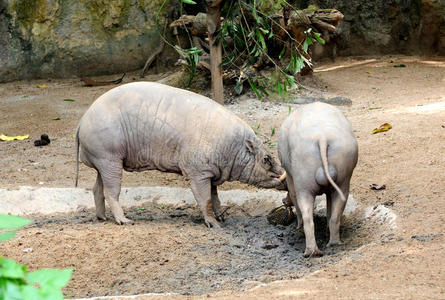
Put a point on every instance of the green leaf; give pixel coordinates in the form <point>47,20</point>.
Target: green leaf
<point>188,2</point>
<point>282,53</point>
<point>299,64</point>
<point>319,38</point>
<point>55,118</point>
<point>10,269</point>
<point>307,42</point>
<point>279,87</point>
<point>228,60</point>
<point>306,61</point>
<point>30,292</point>
<point>254,88</point>
<point>265,31</point>
<point>12,222</point>
<point>4,236</point>
<point>69,100</point>
<point>254,11</point>
<point>53,278</point>
<point>261,39</point>
<point>272,131</point>
<point>290,109</point>
<point>291,81</point>
<point>263,90</point>
<point>296,63</point>
<point>11,291</point>
<point>238,87</point>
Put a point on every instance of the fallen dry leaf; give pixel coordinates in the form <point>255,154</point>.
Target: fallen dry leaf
<point>384,127</point>
<point>11,138</point>
<point>41,86</point>
<point>377,187</point>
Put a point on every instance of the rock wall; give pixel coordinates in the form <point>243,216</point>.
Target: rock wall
<point>65,38</point>
<point>387,26</point>
<point>61,38</point>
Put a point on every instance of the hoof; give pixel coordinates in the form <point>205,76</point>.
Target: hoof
<point>212,223</point>
<point>101,218</point>
<point>124,221</point>
<point>313,253</point>
<point>220,218</point>
<point>334,243</point>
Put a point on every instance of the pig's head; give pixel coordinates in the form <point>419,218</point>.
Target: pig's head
<point>266,172</point>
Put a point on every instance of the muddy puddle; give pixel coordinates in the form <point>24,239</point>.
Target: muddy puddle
<point>169,249</point>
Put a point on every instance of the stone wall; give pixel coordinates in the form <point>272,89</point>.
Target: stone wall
<point>66,38</point>
<point>388,26</point>
<point>61,38</point>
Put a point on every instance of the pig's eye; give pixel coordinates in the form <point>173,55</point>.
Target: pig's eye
<point>267,161</point>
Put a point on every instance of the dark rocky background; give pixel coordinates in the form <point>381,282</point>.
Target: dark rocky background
<point>387,26</point>
<point>56,38</point>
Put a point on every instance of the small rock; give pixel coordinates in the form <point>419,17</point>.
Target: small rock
<point>270,245</point>
<point>282,215</point>
<point>388,203</point>
<point>426,237</point>
<point>377,187</point>
<point>81,209</point>
<point>334,100</point>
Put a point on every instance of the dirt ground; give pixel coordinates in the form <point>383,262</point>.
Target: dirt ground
<point>171,251</point>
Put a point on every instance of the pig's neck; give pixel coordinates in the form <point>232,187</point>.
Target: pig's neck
<point>243,167</point>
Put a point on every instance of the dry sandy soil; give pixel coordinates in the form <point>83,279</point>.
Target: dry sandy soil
<point>171,251</point>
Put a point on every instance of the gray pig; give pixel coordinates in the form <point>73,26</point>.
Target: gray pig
<point>318,150</point>
<point>149,126</point>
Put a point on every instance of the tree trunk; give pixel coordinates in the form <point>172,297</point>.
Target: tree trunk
<point>213,24</point>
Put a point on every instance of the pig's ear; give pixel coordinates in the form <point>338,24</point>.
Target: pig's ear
<point>251,146</point>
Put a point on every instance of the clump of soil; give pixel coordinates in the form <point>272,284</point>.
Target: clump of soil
<point>167,250</point>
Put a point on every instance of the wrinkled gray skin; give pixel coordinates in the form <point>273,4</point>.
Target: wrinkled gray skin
<point>149,126</point>
<point>318,150</point>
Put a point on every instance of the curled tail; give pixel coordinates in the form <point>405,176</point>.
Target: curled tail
<point>323,144</point>
<point>77,156</point>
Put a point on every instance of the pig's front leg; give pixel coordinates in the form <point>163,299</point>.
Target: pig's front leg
<point>216,204</point>
<point>201,189</point>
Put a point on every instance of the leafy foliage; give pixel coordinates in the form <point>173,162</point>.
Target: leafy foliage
<point>9,225</point>
<point>16,282</point>
<point>251,26</point>
<point>191,56</point>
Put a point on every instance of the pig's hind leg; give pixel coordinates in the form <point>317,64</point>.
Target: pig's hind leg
<point>111,174</point>
<point>99,198</point>
<point>305,201</point>
<point>334,211</point>
<point>293,197</point>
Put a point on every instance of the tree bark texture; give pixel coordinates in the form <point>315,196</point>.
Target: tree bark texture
<point>213,24</point>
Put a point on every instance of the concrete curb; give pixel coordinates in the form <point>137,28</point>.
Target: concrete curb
<point>41,200</point>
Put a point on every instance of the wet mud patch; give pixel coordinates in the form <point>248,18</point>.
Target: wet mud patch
<point>168,250</point>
